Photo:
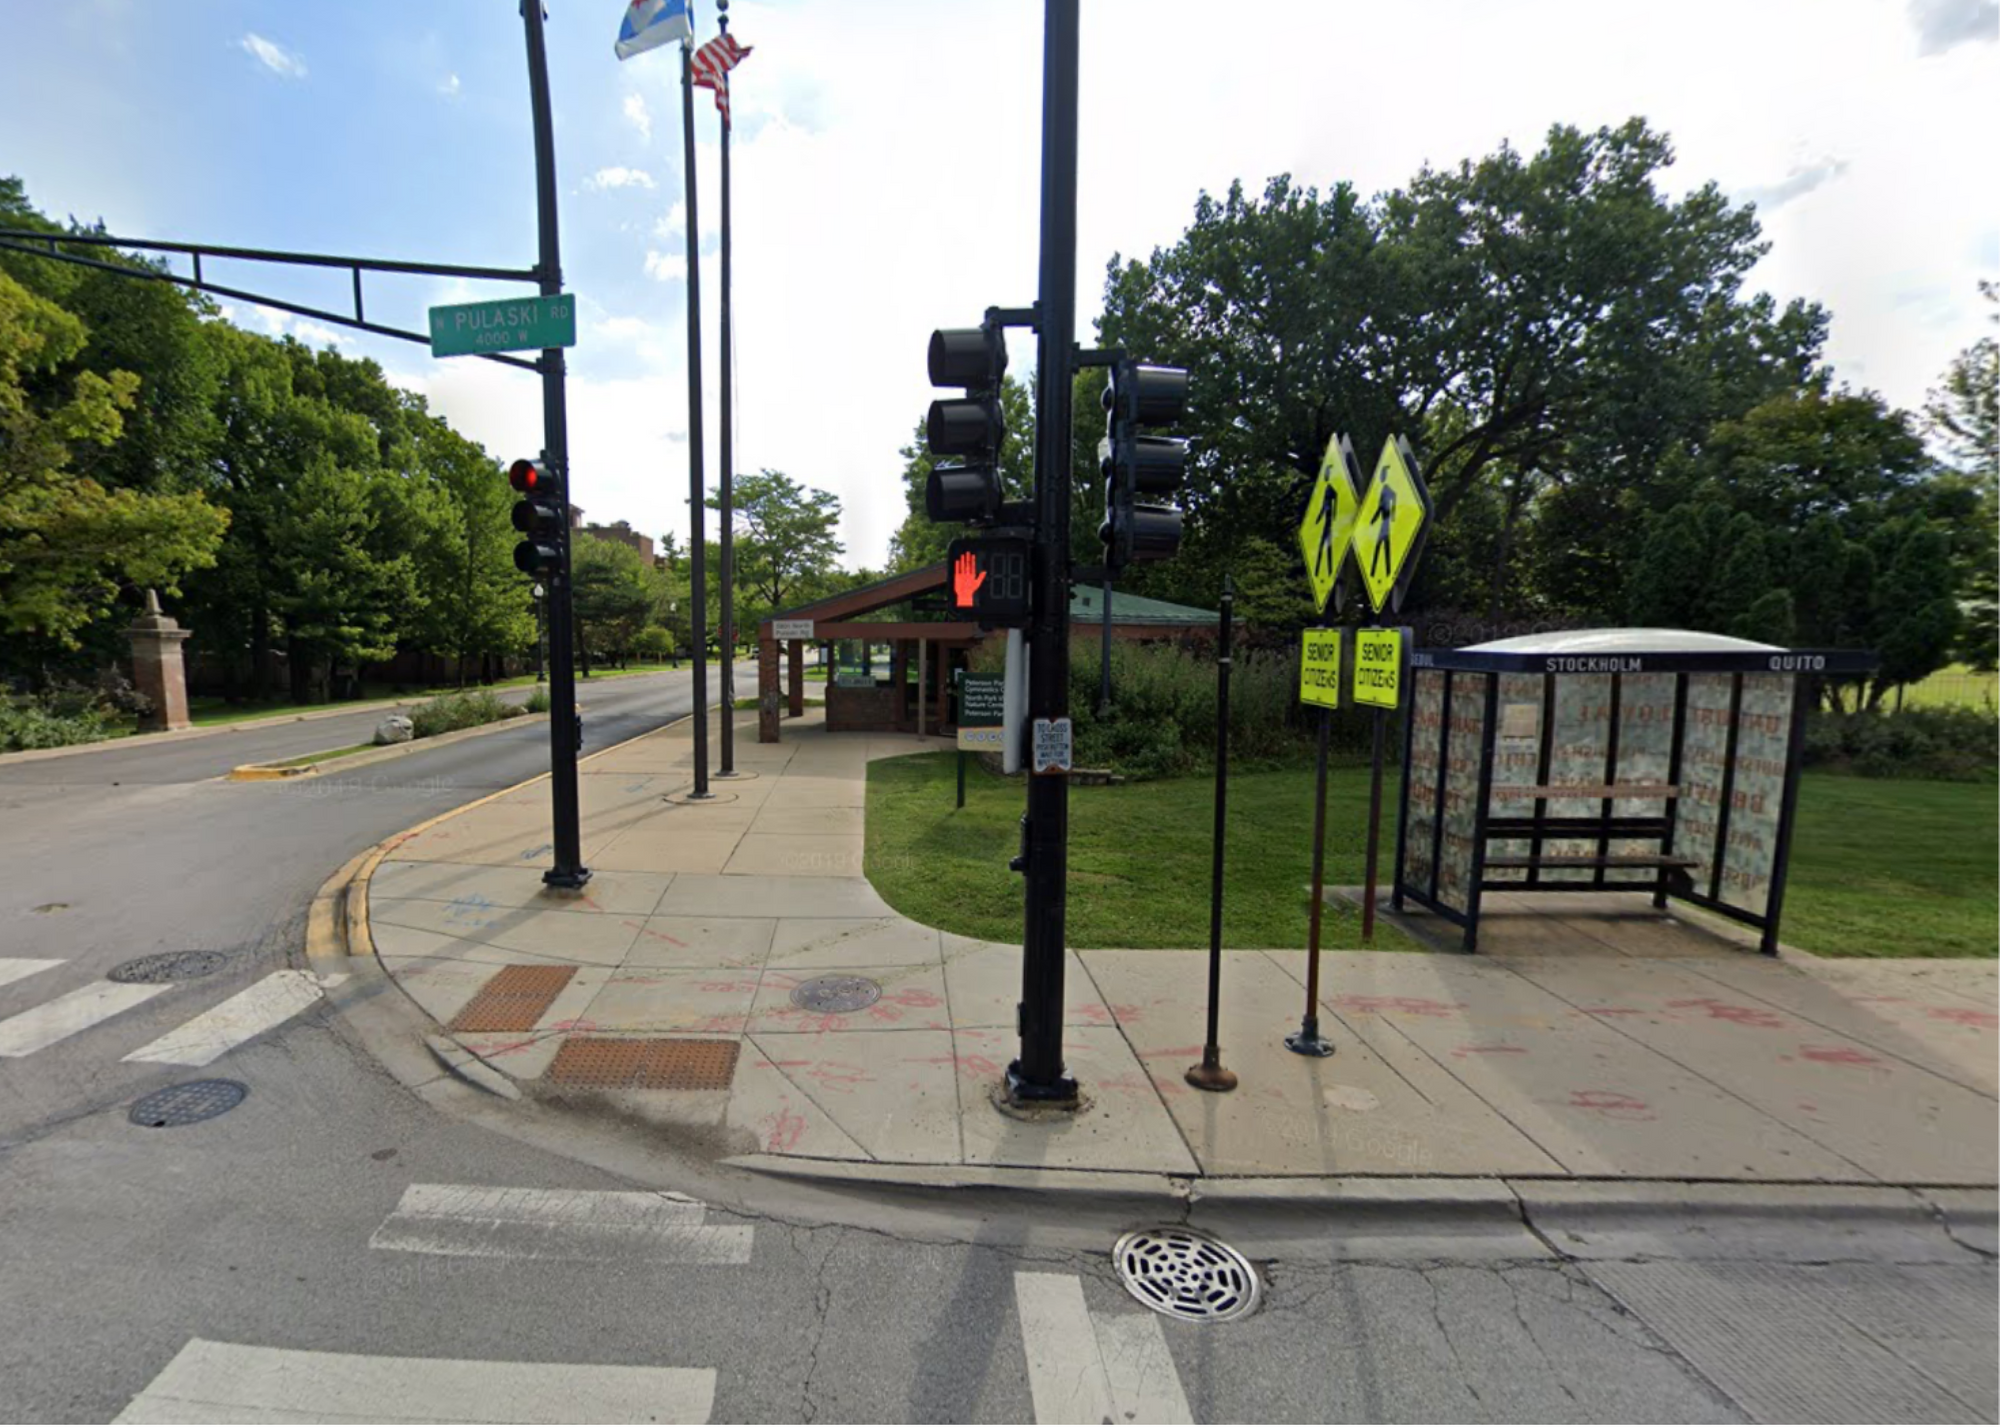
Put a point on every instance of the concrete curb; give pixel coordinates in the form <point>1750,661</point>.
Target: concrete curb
<point>254,773</point>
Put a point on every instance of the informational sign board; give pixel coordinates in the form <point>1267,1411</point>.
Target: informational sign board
<point>503,325</point>
<point>1054,748</point>
<point>1319,668</point>
<point>1395,510</point>
<point>982,709</point>
<point>791,629</point>
<point>1327,528</point>
<point>1378,668</point>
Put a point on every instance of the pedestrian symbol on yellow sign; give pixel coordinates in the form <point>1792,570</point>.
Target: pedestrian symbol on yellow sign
<point>1395,512</point>
<point>1328,526</point>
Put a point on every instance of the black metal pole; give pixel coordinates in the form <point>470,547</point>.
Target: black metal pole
<point>697,487</point>
<point>1306,1040</point>
<point>727,515</point>
<point>568,870</point>
<point>1210,1075</point>
<point>1039,1075</point>
<point>1374,832</point>
<point>961,778</point>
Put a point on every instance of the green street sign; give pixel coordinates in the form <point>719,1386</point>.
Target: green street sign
<point>503,325</point>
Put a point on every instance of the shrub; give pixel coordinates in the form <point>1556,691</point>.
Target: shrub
<point>537,702</point>
<point>1944,743</point>
<point>41,724</point>
<point>456,711</point>
<point>653,643</point>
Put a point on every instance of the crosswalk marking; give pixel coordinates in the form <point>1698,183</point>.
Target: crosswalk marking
<point>253,1011</point>
<point>594,1225</point>
<point>70,1013</point>
<point>1089,1368</point>
<point>13,969</point>
<point>211,1382</point>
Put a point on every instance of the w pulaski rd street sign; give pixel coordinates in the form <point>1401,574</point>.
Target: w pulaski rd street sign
<point>505,325</point>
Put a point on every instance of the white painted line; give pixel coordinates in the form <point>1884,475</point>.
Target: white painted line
<point>237,1383</point>
<point>1085,1368</point>
<point>603,1226</point>
<point>13,969</point>
<point>251,1012</point>
<point>1145,1388</point>
<point>72,1012</point>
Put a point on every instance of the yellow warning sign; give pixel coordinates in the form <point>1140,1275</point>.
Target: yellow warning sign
<point>1319,669</point>
<point>1394,511</point>
<point>1328,525</point>
<point>1378,668</point>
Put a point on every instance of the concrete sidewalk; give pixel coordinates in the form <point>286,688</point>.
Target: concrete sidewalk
<point>688,987</point>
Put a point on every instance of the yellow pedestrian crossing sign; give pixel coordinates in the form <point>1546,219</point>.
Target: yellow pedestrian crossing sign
<point>1328,525</point>
<point>1395,511</point>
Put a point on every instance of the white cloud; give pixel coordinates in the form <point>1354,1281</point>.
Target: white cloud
<point>666,267</point>
<point>449,86</point>
<point>275,322</point>
<point>273,56</point>
<point>1945,24</point>
<point>619,177</point>
<point>638,116</point>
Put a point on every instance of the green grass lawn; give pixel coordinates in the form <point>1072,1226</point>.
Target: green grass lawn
<point>1893,868</point>
<point>1956,685</point>
<point>1880,867</point>
<point>322,757</point>
<point>1139,857</point>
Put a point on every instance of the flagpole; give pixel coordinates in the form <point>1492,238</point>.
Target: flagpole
<point>728,533</point>
<point>696,486</point>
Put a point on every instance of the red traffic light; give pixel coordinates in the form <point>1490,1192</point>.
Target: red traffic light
<point>530,478</point>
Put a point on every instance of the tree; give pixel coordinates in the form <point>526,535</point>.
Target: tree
<point>1553,312</point>
<point>476,602</point>
<point>785,535</point>
<point>1963,417</point>
<point>67,543</point>
<point>153,330</point>
<point>611,593</point>
<point>343,585</point>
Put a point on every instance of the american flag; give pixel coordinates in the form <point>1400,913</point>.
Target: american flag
<point>712,63</point>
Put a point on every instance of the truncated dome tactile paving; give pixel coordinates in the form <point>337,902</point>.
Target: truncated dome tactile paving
<point>514,999</point>
<point>645,1063</point>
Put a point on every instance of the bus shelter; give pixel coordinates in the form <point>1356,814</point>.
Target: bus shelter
<point>1651,761</point>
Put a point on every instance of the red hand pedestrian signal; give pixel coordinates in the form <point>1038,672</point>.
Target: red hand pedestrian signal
<point>966,578</point>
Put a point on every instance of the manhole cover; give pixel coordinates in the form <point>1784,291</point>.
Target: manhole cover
<point>836,994</point>
<point>167,967</point>
<point>187,1103</point>
<point>1186,1274</point>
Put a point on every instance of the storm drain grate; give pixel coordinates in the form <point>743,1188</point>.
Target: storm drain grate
<point>187,1103</point>
<point>836,994</point>
<point>167,967</point>
<point>1185,1274</point>
<point>513,999</point>
<point>648,1063</point>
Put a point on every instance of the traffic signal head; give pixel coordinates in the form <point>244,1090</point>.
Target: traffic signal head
<point>539,516</point>
<point>1142,473</point>
<point>972,426</point>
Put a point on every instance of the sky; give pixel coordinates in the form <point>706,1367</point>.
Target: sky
<point>885,176</point>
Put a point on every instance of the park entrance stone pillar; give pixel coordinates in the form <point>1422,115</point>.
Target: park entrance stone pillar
<point>158,671</point>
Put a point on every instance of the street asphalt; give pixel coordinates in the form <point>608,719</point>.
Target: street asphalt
<point>333,1225</point>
